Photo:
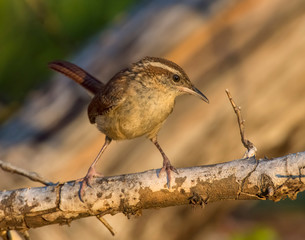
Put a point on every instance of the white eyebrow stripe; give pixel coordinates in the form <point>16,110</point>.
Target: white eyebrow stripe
<point>164,66</point>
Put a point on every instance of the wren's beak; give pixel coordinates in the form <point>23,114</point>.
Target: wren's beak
<point>194,91</point>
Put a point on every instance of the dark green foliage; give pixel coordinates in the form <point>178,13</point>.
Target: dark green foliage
<point>35,32</point>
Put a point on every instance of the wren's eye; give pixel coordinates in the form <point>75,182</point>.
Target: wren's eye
<point>176,78</point>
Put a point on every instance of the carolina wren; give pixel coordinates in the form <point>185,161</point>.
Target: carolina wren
<point>135,102</point>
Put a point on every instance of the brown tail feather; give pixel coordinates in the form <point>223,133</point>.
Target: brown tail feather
<point>78,75</point>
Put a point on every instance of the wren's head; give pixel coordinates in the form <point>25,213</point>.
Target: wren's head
<point>168,75</point>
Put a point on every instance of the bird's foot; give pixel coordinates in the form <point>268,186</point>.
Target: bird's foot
<point>168,168</point>
<point>86,181</point>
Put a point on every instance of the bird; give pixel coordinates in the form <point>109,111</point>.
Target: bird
<point>135,102</point>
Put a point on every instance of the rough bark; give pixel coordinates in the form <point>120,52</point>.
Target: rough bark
<point>246,179</point>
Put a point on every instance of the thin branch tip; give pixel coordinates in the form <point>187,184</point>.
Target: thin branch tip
<point>8,167</point>
<point>251,149</point>
<point>106,224</point>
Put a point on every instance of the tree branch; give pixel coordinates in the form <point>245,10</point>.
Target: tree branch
<point>245,179</point>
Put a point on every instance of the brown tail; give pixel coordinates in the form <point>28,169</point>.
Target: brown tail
<point>78,75</point>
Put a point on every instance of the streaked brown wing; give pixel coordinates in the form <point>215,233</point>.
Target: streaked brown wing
<point>111,96</point>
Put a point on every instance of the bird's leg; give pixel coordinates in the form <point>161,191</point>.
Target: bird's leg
<point>85,181</point>
<point>167,167</point>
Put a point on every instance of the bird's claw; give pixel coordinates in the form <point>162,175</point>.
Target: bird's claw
<point>86,181</point>
<point>168,168</point>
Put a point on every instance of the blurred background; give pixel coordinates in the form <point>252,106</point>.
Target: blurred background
<point>254,48</point>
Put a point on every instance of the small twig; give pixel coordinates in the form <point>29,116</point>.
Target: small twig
<point>251,149</point>
<point>106,224</point>
<point>31,175</point>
